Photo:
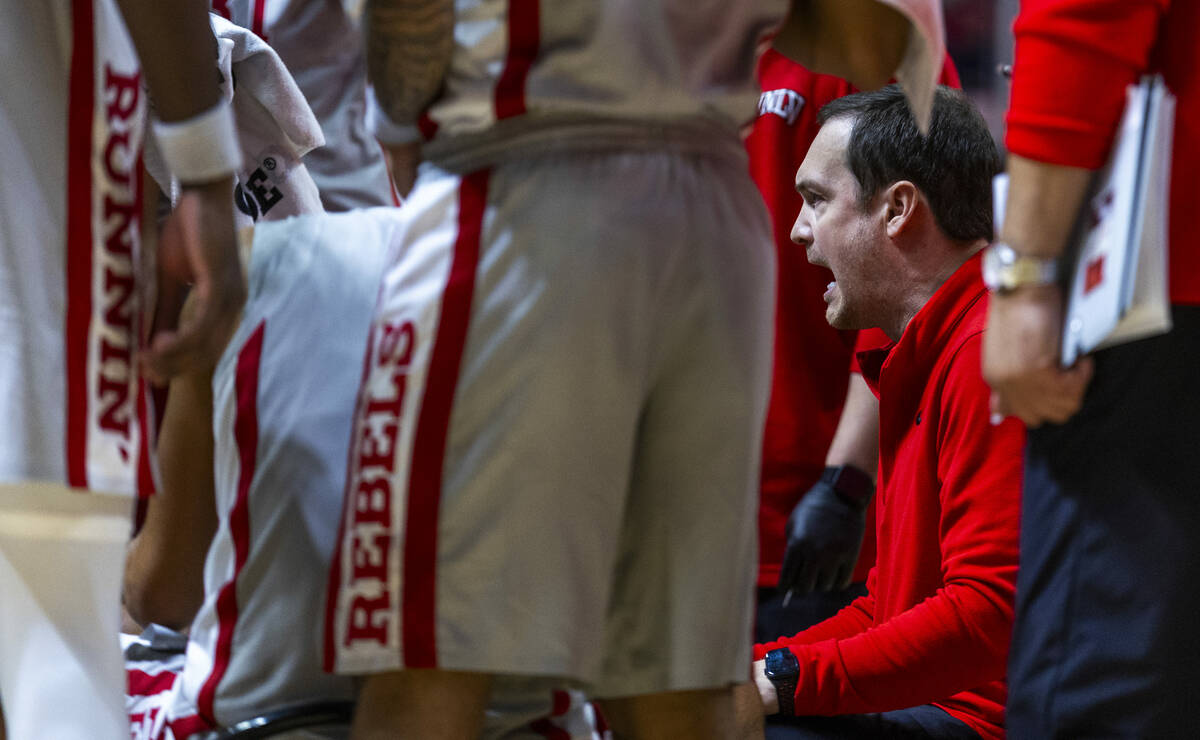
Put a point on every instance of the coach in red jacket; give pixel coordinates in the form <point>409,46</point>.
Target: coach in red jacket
<point>819,455</point>
<point>900,219</point>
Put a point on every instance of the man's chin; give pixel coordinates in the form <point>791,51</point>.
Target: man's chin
<point>844,320</point>
<point>836,318</point>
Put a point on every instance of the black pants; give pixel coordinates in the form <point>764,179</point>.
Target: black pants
<point>1107,639</point>
<point>773,620</point>
<point>916,723</point>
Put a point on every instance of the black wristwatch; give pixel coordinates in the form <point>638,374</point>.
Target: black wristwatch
<point>852,484</point>
<point>783,670</point>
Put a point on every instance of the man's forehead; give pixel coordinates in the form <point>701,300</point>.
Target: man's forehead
<point>826,155</point>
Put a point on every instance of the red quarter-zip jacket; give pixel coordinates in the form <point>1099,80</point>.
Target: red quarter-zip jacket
<point>936,623</point>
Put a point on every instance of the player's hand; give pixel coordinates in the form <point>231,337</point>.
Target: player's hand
<point>825,533</point>
<point>197,247</point>
<point>1021,349</point>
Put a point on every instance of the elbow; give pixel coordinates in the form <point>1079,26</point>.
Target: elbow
<point>158,606</point>
<point>988,623</point>
<point>156,595</point>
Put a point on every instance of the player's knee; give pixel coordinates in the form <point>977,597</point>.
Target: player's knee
<point>706,714</point>
<point>421,703</point>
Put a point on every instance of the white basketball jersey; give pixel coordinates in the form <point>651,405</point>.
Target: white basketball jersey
<point>322,47</point>
<point>284,396</point>
<point>71,119</point>
<point>646,60</point>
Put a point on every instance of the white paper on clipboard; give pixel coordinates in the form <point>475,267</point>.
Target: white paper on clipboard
<point>1117,285</point>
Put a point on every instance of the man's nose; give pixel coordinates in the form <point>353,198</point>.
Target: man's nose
<point>802,231</point>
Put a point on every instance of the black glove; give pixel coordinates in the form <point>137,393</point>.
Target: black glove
<point>825,532</point>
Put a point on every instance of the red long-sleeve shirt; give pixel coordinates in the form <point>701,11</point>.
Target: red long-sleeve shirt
<point>1073,61</point>
<point>935,625</point>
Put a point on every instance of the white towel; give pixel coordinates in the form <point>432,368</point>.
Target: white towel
<point>275,126</point>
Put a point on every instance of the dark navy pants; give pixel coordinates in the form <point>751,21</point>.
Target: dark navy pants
<point>1107,639</point>
<point>925,722</point>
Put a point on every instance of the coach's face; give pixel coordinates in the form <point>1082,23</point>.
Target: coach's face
<point>839,234</point>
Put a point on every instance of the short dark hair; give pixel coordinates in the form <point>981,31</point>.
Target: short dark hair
<point>953,165</point>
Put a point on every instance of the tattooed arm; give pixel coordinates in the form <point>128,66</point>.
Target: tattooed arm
<point>409,43</point>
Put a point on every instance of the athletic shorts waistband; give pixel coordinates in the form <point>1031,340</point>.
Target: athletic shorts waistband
<point>549,135</point>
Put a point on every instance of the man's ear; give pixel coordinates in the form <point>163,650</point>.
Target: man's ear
<point>900,203</point>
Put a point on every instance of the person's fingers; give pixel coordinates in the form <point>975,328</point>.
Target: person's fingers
<point>174,352</point>
<point>1011,400</point>
<point>1076,378</point>
<point>162,359</point>
<point>787,573</point>
<point>844,575</point>
<point>1025,408</point>
<point>1067,402</point>
<point>827,577</point>
<point>195,343</point>
<point>169,299</point>
<point>806,579</point>
<point>196,246</point>
<point>1059,412</point>
<point>1086,367</point>
<point>1051,395</point>
<point>1062,397</point>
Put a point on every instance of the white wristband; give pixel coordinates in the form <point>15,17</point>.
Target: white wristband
<point>202,148</point>
<point>393,134</point>
<point>385,130</point>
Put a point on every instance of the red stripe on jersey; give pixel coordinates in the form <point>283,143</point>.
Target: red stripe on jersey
<point>146,411</point>
<point>429,446</point>
<point>601,721</point>
<point>335,568</point>
<point>562,703</point>
<point>547,729</point>
<point>141,683</point>
<point>524,37</point>
<point>427,126</point>
<point>245,433</point>
<point>79,238</point>
<point>189,725</point>
<point>145,473</point>
<point>260,9</point>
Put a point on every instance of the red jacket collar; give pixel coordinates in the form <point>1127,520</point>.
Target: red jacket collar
<point>928,331</point>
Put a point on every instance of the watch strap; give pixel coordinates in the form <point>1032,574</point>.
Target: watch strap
<point>783,671</point>
<point>853,484</point>
<point>1005,269</point>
